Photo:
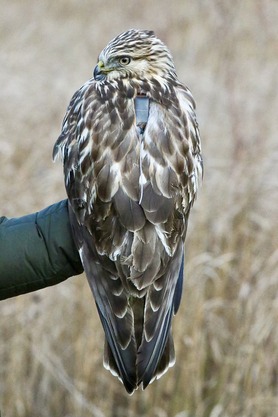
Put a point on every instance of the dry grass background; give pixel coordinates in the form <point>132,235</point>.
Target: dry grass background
<point>226,331</point>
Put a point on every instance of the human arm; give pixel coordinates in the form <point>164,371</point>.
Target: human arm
<point>37,251</point>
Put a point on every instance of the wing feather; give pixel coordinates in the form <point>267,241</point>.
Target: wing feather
<point>152,359</point>
<point>115,313</point>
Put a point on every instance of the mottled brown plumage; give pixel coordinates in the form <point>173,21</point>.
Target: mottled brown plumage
<point>131,184</point>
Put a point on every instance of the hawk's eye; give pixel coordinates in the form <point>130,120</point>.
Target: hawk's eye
<point>124,60</point>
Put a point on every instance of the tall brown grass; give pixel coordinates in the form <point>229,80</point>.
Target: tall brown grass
<point>226,332</point>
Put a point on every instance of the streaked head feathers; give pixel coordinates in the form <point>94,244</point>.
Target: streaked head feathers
<point>145,56</point>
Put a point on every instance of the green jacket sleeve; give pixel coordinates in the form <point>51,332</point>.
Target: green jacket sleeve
<point>36,251</point>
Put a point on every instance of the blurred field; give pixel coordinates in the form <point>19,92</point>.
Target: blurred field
<point>226,332</point>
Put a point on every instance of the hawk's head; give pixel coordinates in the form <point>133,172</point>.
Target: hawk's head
<point>135,54</point>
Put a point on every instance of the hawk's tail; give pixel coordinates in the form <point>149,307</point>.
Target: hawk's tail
<point>151,363</point>
<point>153,355</point>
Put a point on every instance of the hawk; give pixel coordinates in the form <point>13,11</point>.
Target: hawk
<point>132,164</point>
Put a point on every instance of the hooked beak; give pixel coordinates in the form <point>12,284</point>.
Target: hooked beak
<point>99,73</point>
